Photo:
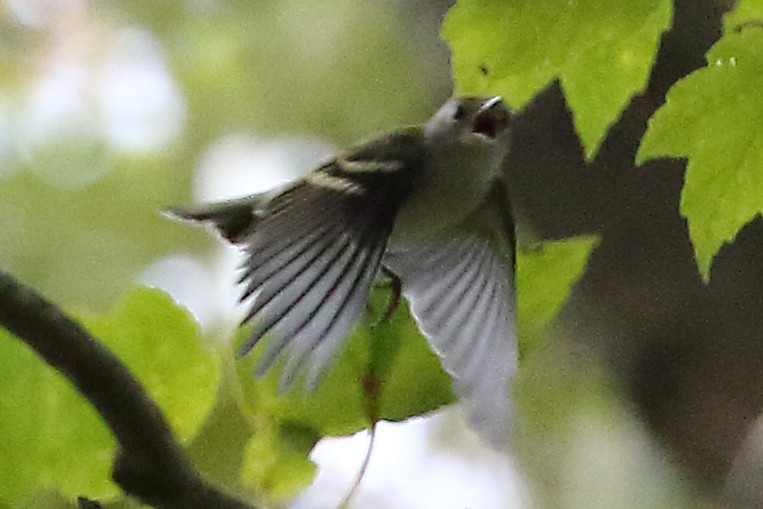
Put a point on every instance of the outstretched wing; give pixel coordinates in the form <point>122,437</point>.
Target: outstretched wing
<point>460,287</point>
<point>313,249</point>
<point>310,266</point>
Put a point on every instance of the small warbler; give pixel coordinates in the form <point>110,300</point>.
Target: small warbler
<point>428,206</point>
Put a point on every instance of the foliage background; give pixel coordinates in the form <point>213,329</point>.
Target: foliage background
<point>643,394</point>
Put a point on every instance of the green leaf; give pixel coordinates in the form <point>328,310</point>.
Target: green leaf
<point>161,345</point>
<point>713,117</point>
<point>49,499</point>
<point>53,438</point>
<point>276,464</point>
<point>217,451</point>
<point>745,12</point>
<point>545,277</point>
<point>601,51</point>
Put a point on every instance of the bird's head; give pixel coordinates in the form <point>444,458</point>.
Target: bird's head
<point>471,120</point>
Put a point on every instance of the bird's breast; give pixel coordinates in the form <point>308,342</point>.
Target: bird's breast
<point>452,185</point>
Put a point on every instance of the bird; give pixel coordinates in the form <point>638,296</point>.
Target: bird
<point>427,206</point>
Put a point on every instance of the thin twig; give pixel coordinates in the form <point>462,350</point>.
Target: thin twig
<point>345,503</point>
<point>149,463</point>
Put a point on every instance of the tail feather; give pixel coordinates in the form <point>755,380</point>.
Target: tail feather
<point>233,220</point>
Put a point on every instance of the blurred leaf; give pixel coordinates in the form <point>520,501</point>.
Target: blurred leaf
<point>545,277</point>
<point>218,450</point>
<point>601,51</point>
<point>285,67</point>
<point>713,117</point>
<point>122,503</point>
<point>580,444</point>
<point>50,499</point>
<point>16,46</point>
<point>276,464</point>
<point>415,383</point>
<point>574,437</point>
<point>53,438</point>
<point>71,160</point>
<point>82,247</point>
<point>161,345</point>
<point>745,11</point>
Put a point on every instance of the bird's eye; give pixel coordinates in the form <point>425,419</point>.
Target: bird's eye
<point>459,113</point>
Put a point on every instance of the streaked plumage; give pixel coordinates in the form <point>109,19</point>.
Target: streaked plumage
<point>427,204</point>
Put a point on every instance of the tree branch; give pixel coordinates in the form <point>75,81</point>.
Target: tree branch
<point>149,464</point>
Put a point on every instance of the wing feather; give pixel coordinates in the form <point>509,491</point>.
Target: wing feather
<point>325,326</point>
<point>464,304</point>
<point>438,294</point>
<point>283,268</point>
<point>314,247</point>
<point>342,321</point>
<point>280,231</point>
<point>450,321</point>
<point>466,329</point>
<point>489,308</point>
<point>311,262</point>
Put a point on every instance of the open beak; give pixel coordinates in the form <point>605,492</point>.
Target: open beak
<point>492,118</point>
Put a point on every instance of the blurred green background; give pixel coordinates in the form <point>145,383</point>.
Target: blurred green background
<point>106,109</point>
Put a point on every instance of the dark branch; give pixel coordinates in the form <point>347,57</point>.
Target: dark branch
<point>149,464</point>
